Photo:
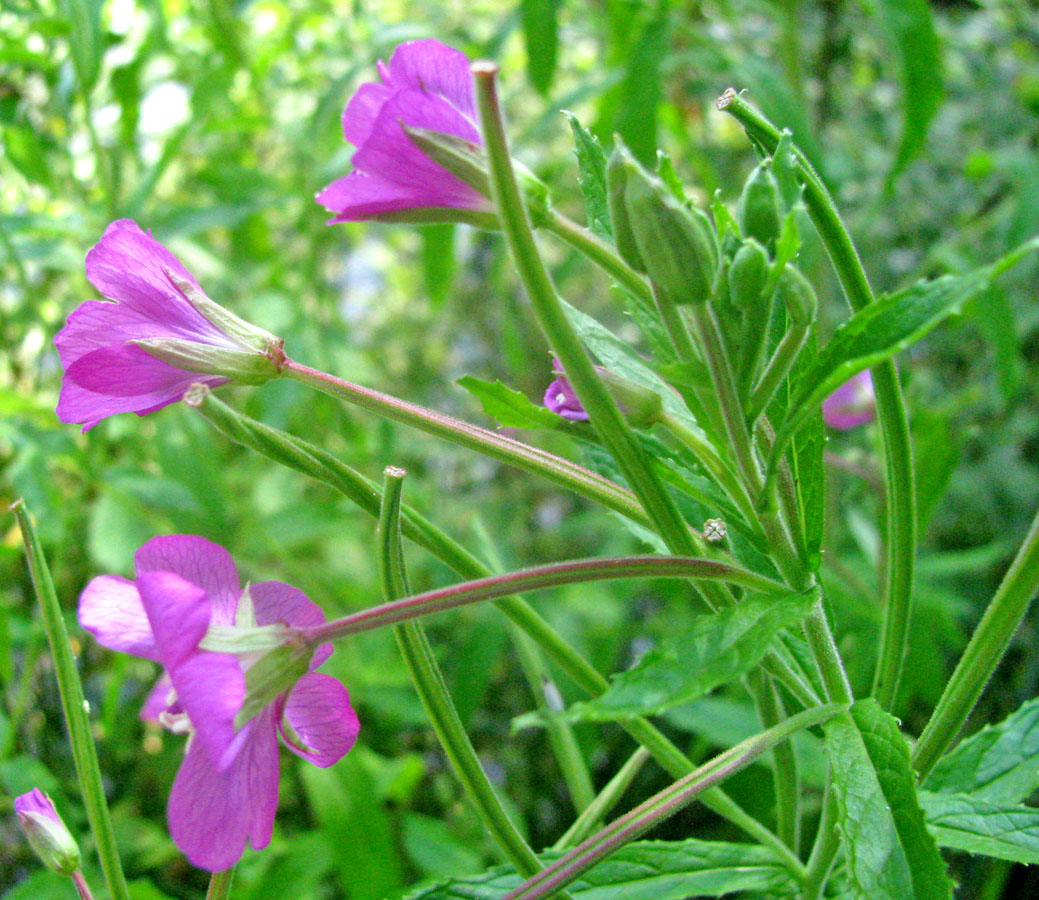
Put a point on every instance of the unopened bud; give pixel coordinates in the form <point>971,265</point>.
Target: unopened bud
<point>623,236</point>
<point>677,242</point>
<point>748,275</point>
<point>760,206</point>
<point>46,833</point>
<point>798,295</point>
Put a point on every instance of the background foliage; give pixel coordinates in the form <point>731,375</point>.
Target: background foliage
<point>214,123</point>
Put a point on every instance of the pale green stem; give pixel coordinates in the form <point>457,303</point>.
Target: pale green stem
<point>824,850</point>
<point>432,690</point>
<point>891,413</point>
<point>496,446</point>
<point>777,369</point>
<point>607,798</point>
<point>74,705</point>
<point>82,888</point>
<point>220,885</point>
<point>786,781</point>
<point>987,646</point>
<point>664,804</point>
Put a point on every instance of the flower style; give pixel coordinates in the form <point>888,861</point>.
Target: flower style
<point>852,404</point>
<point>46,833</point>
<point>185,600</point>
<point>159,336</point>
<point>426,86</point>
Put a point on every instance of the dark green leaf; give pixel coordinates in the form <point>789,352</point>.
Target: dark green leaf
<point>891,855</point>
<point>809,474</point>
<point>591,176</point>
<point>974,825</point>
<point>541,37</point>
<point>911,26</point>
<point>886,327</point>
<point>646,870</point>
<point>999,764</point>
<point>510,408</point>
<point>713,650</point>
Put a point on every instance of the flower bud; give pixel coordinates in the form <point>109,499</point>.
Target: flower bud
<point>46,833</point>
<point>798,295</point>
<point>616,182</point>
<point>760,207</point>
<point>677,242</point>
<point>748,274</point>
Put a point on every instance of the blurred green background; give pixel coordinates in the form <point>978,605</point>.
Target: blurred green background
<point>215,123</point>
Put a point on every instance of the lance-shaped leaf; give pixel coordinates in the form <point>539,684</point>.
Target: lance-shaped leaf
<point>511,408</point>
<point>645,870</point>
<point>714,649</point>
<point>591,176</point>
<point>999,764</point>
<point>884,328</point>
<point>975,825</point>
<point>891,855</point>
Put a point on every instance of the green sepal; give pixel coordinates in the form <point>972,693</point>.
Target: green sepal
<point>748,275</point>
<point>240,366</point>
<point>759,210</point>
<point>797,295</point>
<point>616,185</point>
<point>274,674</point>
<point>51,842</point>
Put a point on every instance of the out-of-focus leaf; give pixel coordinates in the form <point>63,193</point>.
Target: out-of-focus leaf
<point>591,176</point>
<point>42,885</point>
<point>85,38</point>
<point>297,872</point>
<point>937,447</point>
<point>636,120</point>
<point>510,408</point>
<point>435,849</point>
<point>976,825</point>
<point>646,870</point>
<point>891,855</point>
<point>438,261</point>
<point>541,37</point>
<point>27,153</point>
<point>995,316</point>
<point>713,650</point>
<point>911,26</point>
<point>999,764</point>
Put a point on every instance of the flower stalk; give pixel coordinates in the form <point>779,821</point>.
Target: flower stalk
<point>75,707</point>
<point>220,885</point>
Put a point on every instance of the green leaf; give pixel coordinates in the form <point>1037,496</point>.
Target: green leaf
<point>975,825</point>
<point>27,153</point>
<point>510,408</point>
<point>646,870</point>
<point>713,650</point>
<point>591,176</point>
<point>541,37</point>
<point>884,328</point>
<point>85,39</point>
<point>636,120</point>
<point>999,764</point>
<point>911,27</point>
<point>809,472</point>
<point>889,850</point>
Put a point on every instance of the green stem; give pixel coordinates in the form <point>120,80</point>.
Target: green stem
<point>786,782</point>
<point>824,850</point>
<point>990,641</point>
<point>220,885</point>
<point>605,416</point>
<point>82,888</point>
<point>891,412</point>
<point>514,453</point>
<point>432,690</point>
<point>602,254</point>
<point>74,705</point>
<point>824,649</point>
<point>316,463</point>
<point>777,369</point>
<point>576,571</point>
<point>664,804</point>
<point>607,798</point>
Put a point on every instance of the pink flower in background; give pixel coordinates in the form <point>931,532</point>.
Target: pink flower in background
<point>852,404</point>
<point>155,301</point>
<point>426,85</point>
<point>226,792</point>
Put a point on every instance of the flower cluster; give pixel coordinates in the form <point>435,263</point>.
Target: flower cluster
<point>187,596</point>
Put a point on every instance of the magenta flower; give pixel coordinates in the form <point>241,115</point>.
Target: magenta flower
<point>428,86</point>
<point>187,599</point>
<point>111,351</point>
<point>562,400</point>
<point>852,404</point>
<point>46,833</point>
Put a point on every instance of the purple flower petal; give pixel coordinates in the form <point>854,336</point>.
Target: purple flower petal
<point>36,802</point>
<point>363,109</point>
<point>156,702</point>
<point>319,712</point>
<point>203,563</point>
<point>434,67</point>
<point>277,603</point>
<point>213,814</point>
<point>852,404</point>
<point>561,399</point>
<point>110,608</point>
